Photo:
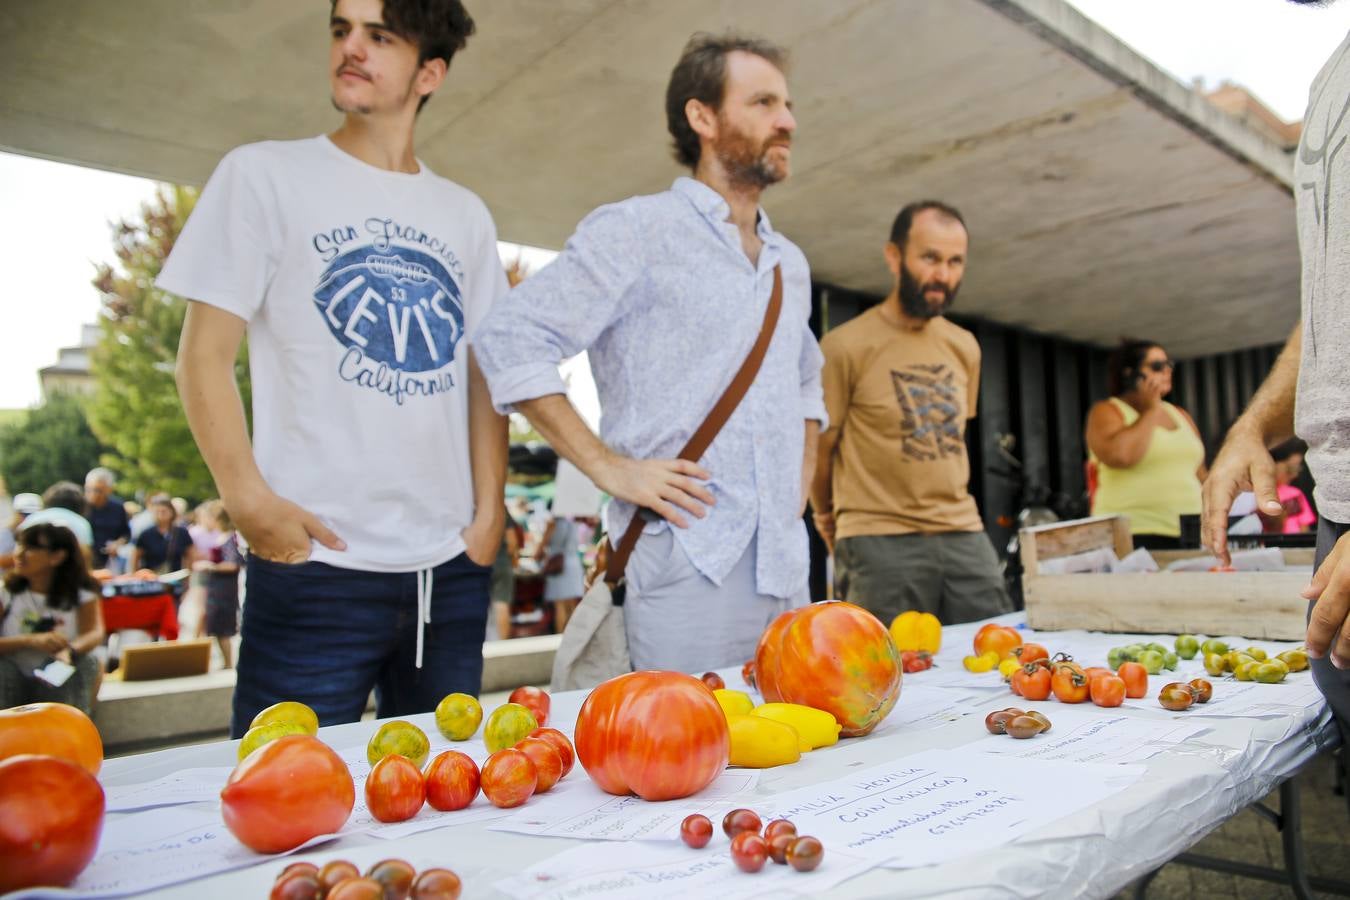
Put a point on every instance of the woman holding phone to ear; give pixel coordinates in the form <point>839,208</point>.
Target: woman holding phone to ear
<point>49,609</point>
<point>1149,455</point>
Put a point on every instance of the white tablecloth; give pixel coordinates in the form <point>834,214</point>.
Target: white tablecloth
<point>1188,791</point>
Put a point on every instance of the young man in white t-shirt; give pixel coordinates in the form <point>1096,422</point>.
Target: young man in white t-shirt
<point>371,498</point>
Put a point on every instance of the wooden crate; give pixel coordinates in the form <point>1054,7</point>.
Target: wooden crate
<point>1257,605</point>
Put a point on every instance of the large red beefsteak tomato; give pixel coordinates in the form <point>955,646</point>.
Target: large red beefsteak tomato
<point>659,735</point>
<point>832,656</point>
<point>286,792</point>
<point>51,729</point>
<point>51,814</point>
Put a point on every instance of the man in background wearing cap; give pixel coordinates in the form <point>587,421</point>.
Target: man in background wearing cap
<point>23,505</point>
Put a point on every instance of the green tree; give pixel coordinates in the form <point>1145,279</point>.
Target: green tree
<point>51,443</point>
<point>135,409</point>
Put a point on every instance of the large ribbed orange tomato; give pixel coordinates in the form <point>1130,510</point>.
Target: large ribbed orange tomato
<point>659,735</point>
<point>51,729</point>
<point>286,792</point>
<point>832,656</point>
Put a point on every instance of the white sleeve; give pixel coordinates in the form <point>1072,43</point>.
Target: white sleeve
<point>226,254</point>
<point>486,281</point>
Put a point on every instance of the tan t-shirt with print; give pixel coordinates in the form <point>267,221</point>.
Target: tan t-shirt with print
<point>900,400</point>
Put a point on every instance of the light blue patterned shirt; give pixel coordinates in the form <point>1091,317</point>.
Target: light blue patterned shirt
<point>660,292</point>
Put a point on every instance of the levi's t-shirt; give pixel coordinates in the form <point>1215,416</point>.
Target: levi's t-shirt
<point>358,286</point>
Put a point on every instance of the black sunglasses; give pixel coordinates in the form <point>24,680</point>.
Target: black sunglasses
<point>1159,365</point>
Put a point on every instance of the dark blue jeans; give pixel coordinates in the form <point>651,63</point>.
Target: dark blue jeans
<point>325,636</point>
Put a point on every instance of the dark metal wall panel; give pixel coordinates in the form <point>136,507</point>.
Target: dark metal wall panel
<point>1032,426</point>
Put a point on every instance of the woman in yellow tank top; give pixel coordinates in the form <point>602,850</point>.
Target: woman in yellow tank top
<point>1150,459</point>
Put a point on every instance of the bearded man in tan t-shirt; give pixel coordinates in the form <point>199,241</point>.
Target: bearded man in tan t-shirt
<point>891,495</point>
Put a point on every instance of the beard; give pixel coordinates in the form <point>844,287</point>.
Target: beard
<point>746,162</point>
<point>913,296</point>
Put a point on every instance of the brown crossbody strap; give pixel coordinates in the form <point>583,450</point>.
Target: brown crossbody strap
<point>717,417</point>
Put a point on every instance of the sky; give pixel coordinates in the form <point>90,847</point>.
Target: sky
<point>55,226</point>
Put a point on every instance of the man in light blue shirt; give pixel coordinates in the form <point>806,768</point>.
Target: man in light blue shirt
<point>667,292</point>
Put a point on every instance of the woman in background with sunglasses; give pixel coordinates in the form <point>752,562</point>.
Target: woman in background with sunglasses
<point>1148,453</point>
<point>49,611</point>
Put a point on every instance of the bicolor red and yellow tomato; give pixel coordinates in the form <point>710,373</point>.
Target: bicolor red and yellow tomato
<point>452,781</point>
<point>832,656</point>
<point>997,638</point>
<point>286,792</point>
<point>659,735</point>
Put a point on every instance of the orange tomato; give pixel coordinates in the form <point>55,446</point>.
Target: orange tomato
<point>51,729</point>
<point>1069,683</point>
<point>999,638</point>
<point>832,656</point>
<point>1135,676</point>
<point>1107,690</point>
<point>1030,653</point>
<point>1032,681</point>
<point>286,792</point>
<point>51,814</point>
<point>659,735</point>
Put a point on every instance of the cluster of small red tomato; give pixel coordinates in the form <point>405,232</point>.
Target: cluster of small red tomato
<point>750,848</point>
<point>1179,695</point>
<point>396,788</point>
<point>1016,723</point>
<point>389,879</point>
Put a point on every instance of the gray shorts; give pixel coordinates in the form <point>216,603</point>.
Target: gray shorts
<point>1333,682</point>
<point>954,575</point>
<point>677,619</point>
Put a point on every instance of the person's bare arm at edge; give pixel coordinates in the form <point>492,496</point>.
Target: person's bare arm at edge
<point>1244,462</point>
<point>275,528</point>
<point>810,446</point>
<point>822,485</point>
<point>664,486</point>
<point>488,440</point>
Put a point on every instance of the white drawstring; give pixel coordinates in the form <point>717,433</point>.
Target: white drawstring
<point>423,608</point>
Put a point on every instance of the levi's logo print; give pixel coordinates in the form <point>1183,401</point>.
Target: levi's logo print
<point>930,414</point>
<point>394,308</point>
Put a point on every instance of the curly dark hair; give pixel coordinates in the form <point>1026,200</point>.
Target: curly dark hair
<point>701,74</point>
<point>70,577</point>
<point>439,28</point>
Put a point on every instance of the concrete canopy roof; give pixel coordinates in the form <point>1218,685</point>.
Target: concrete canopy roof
<point>1103,197</point>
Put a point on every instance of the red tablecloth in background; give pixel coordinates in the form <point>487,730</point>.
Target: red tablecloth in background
<point>154,613</point>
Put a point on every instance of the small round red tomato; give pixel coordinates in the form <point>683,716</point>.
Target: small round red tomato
<point>452,781</point>
<point>1202,689</point>
<point>1029,653</point>
<point>297,885</point>
<point>1135,677</point>
<point>508,778</point>
<point>1023,727</point>
<point>1176,697</point>
<point>534,699</point>
<point>739,820</point>
<point>547,763</point>
<point>696,830</point>
<point>1032,681</point>
<point>561,744</point>
<point>395,789</point>
<point>777,827</point>
<point>778,846</point>
<point>357,889</point>
<point>336,871</point>
<point>1107,690</point>
<point>713,681</point>
<point>437,884</point>
<point>805,854</point>
<point>51,814</point>
<point>749,851</point>
<point>396,875</point>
